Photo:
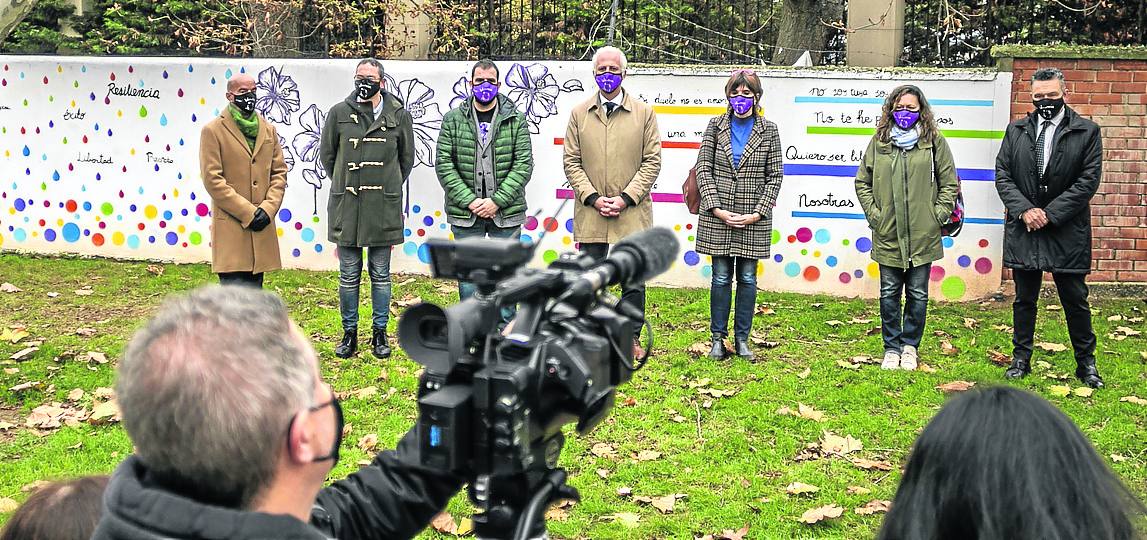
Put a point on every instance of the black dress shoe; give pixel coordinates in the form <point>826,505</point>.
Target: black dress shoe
<point>378,346</point>
<point>349,344</point>
<point>718,352</point>
<point>1019,369</point>
<point>743,349</point>
<point>1089,375</point>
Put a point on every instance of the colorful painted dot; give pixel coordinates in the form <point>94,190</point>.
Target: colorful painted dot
<point>983,265</point>
<point>531,222</point>
<point>692,258</point>
<point>964,261</point>
<point>792,269</point>
<point>776,237</point>
<point>195,238</point>
<point>804,234</point>
<point>937,273</point>
<point>983,242</point>
<point>811,273</point>
<point>830,261</point>
<point>201,210</point>
<point>953,288</point>
<point>948,242</point>
<point>845,277</point>
<point>550,256</point>
<point>864,244</point>
<point>822,236</point>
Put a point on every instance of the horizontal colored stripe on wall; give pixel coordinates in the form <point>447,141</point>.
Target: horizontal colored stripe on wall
<point>841,215</point>
<point>879,101</point>
<point>867,131</point>
<point>849,171</point>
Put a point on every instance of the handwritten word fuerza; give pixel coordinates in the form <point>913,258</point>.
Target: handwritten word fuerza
<point>128,91</point>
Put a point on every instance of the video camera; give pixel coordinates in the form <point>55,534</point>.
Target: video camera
<point>493,400</point>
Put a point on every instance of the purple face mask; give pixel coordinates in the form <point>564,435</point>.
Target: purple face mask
<point>905,119</point>
<point>485,92</point>
<point>608,82</point>
<point>741,105</point>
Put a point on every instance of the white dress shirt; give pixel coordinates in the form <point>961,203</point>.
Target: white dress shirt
<point>1049,137</point>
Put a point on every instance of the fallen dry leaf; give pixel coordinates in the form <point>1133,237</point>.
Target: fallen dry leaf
<point>869,465</point>
<point>947,349</point>
<point>603,473</point>
<point>1002,328</point>
<point>13,335</point>
<point>97,357</point>
<point>7,505</point>
<point>84,292</point>
<point>628,519</point>
<point>804,374</point>
<point>874,506</point>
<point>664,504</point>
<point>1083,391</point>
<point>847,365</point>
<point>798,488</point>
<point>1126,331</point>
<point>1115,318</point>
<point>1118,458</point>
<point>24,354</point>
<point>9,288</point>
<point>857,490</point>
<point>955,386</point>
<point>29,385</point>
<point>559,511</point>
<point>367,443</point>
<point>105,413</point>
<point>155,269</point>
<point>34,486</point>
<point>53,294</point>
<point>604,450</point>
<point>1059,391</point>
<point>648,455</point>
<point>103,393</point>
<point>408,301</point>
<point>699,349</point>
<point>444,523</point>
<point>716,393</point>
<point>5,426</point>
<point>837,445</point>
<point>86,332</point>
<point>1133,399</point>
<point>1054,307</point>
<point>76,394</point>
<point>833,323</point>
<point>11,370</point>
<point>728,534</point>
<point>999,358</point>
<point>926,368</point>
<point>816,515</point>
<point>810,413</point>
<point>765,310</point>
<point>1051,347</point>
<point>53,416</point>
<point>624,491</point>
<point>971,323</point>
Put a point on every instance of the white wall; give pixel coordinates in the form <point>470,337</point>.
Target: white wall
<point>100,158</point>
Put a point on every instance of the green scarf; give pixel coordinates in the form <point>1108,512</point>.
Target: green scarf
<point>248,126</point>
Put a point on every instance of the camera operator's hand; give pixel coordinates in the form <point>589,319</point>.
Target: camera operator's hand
<point>260,221</point>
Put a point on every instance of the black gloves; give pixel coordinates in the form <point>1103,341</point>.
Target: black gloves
<point>260,221</point>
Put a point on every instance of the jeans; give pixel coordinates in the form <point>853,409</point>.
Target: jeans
<point>241,278</point>
<point>1072,294</point>
<point>722,291</point>
<point>483,228</point>
<point>634,295</point>
<point>350,274</point>
<point>897,331</point>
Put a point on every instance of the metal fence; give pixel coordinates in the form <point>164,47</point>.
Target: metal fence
<point>958,33</point>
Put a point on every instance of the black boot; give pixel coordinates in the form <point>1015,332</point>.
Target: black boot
<point>1089,375</point>
<point>1019,369</point>
<point>349,345</point>
<point>743,349</point>
<point>378,345</point>
<point>718,351</point>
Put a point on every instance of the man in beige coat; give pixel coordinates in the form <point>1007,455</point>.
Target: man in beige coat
<point>612,158</point>
<point>243,170</point>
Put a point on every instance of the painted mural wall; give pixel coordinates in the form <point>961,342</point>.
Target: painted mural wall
<point>100,157</point>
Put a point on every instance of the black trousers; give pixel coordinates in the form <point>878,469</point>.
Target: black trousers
<point>1072,295</point>
<point>241,278</point>
<point>634,295</point>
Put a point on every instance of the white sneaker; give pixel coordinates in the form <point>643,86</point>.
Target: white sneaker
<point>908,358</point>
<point>891,360</point>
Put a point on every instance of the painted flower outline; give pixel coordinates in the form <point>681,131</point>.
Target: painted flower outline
<point>418,100</point>
<point>288,156</point>
<point>535,91</point>
<point>277,95</point>
<point>306,145</point>
<point>462,92</point>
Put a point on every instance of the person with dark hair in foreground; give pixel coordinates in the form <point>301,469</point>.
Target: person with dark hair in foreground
<point>235,433</point>
<point>1003,464</point>
<point>67,510</point>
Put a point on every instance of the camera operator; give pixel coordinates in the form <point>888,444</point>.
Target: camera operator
<point>235,432</point>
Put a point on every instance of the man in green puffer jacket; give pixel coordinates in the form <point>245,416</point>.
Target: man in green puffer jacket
<point>484,163</point>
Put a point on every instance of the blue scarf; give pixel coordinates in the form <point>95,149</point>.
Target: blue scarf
<point>905,139</point>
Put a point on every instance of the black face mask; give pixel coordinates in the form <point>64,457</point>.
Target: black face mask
<point>245,102</point>
<point>1048,108</point>
<point>366,88</point>
<point>334,453</point>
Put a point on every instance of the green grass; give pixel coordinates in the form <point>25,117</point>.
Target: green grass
<point>731,460</point>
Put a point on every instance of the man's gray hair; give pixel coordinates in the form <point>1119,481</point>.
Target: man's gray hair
<point>610,50</point>
<point>1048,74</point>
<point>372,62</point>
<point>208,388</point>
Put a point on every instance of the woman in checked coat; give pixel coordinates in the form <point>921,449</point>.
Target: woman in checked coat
<point>739,174</point>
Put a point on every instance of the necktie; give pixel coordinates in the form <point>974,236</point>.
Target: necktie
<point>1039,143</point>
<point>610,107</point>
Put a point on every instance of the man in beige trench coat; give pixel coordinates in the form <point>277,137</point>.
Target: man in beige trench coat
<point>612,157</point>
<point>243,170</point>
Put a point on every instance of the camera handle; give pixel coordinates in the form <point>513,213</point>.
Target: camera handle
<point>519,517</point>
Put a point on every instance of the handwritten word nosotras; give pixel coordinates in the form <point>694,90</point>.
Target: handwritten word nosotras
<point>128,91</point>
<point>829,200</point>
